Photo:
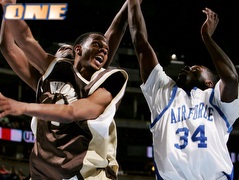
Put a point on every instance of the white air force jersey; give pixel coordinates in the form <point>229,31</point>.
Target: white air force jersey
<point>190,130</point>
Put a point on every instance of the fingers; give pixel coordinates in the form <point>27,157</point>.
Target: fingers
<point>2,114</point>
<point>1,96</point>
<point>2,106</point>
<point>211,14</point>
<point>10,106</point>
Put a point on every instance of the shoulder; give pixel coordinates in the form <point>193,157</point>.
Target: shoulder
<point>105,73</point>
<point>112,79</point>
<point>158,79</point>
<point>59,66</point>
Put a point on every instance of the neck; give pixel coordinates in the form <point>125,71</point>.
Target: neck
<point>85,73</point>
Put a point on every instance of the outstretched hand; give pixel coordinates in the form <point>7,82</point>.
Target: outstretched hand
<point>210,23</point>
<point>10,107</point>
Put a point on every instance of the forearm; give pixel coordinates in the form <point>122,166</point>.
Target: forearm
<point>223,64</point>
<point>116,31</point>
<point>225,69</point>
<point>145,54</point>
<point>82,109</point>
<point>137,26</point>
<point>49,112</point>
<point>119,23</point>
<point>17,59</point>
<point>28,44</point>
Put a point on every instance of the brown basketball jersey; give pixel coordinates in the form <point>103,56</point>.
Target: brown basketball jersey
<point>85,149</point>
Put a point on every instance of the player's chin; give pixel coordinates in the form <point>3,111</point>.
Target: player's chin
<point>97,66</point>
<point>94,68</point>
<point>180,81</point>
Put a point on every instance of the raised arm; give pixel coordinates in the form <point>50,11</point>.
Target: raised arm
<point>224,66</point>
<point>83,109</point>
<point>29,45</point>
<point>144,52</point>
<point>14,55</point>
<point>16,58</point>
<point>116,31</point>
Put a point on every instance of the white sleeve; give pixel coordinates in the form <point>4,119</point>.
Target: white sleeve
<point>157,78</point>
<point>157,90</point>
<point>231,110</point>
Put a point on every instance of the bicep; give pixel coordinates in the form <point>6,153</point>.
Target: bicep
<point>147,60</point>
<point>19,63</point>
<point>24,39</point>
<point>92,106</point>
<point>228,91</point>
<point>36,55</point>
<point>114,83</point>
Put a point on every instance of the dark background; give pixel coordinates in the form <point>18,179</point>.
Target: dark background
<point>173,26</point>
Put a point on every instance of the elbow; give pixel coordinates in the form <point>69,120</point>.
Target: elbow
<point>139,42</point>
<point>69,115</point>
<point>7,50</point>
<point>73,115</point>
<point>229,76</point>
<point>234,78</point>
<point>138,38</point>
<point>94,114</point>
<point>4,47</point>
<point>231,80</point>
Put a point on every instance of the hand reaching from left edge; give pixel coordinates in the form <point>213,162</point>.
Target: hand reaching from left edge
<point>9,106</point>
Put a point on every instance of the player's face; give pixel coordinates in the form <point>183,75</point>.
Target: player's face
<point>65,51</point>
<point>194,76</point>
<point>94,52</point>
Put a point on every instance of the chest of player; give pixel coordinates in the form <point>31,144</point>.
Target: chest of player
<point>193,106</point>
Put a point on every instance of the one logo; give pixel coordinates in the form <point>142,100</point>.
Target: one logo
<point>33,11</point>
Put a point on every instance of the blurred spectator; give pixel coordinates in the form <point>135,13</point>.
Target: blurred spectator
<point>4,173</point>
<point>4,122</point>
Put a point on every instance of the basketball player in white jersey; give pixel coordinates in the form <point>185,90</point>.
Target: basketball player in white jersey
<point>191,118</point>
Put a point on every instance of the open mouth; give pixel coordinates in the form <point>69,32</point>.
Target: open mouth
<point>99,59</point>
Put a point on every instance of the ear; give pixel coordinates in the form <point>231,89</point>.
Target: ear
<point>78,50</point>
<point>209,83</point>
